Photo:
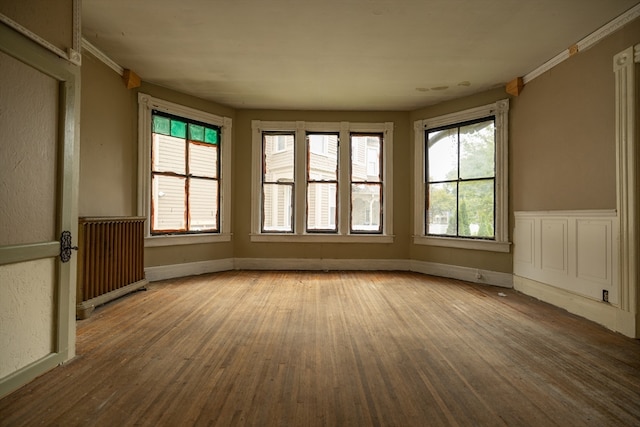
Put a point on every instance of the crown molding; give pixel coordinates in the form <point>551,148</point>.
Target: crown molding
<point>86,45</point>
<point>586,42</point>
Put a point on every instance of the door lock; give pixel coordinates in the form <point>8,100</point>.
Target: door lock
<point>65,246</point>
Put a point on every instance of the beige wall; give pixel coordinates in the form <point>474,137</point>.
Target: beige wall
<point>242,190</point>
<point>562,143</point>
<point>561,156</point>
<point>51,20</point>
<point>108,148</point>
<point>484,260</point>
<point>109,154</point>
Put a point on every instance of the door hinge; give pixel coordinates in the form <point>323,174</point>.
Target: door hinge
<point>65,246</point>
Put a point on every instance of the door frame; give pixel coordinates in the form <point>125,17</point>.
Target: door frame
<point>68,76</point>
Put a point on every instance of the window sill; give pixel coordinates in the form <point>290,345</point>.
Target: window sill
<point>321,238</point>
<point>192,239</point>
<point>478,245</point>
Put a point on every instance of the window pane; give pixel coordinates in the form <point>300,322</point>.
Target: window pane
<point>210,136</point>
<point>475,209</point>
<point>442,213</point>
<point>278,164</point>
<point>277,207</point>
<point>168,154</point>
<point>196,132</point>
<point>178,129</point>
<point>365,158</point>
<point>203,160</point>
<point>442,155</point>
<point>203,204</point>
<point>168,203</point>
<point>161,125</point>
<point>365,207</point>
<point>477,150</point>
<point>323,157</point>
<point>321,206</point>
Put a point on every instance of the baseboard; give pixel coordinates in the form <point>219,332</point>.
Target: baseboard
<point>24,375</point>
<point>596,311</point>
<point>85,308</point>
<point>474,275</point>
<point>172,271</point>
<point>320,264</point>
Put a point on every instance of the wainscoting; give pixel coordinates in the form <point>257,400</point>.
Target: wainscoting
<point>570,259</point>
<point>572,250</point>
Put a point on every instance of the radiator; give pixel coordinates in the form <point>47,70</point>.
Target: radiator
<point>110,260</point>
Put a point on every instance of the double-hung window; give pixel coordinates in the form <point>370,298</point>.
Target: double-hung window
<point>366,183</point>
<point>461,179</point>
<point>184,175</point>
<point>278,169</point>
<point>322,181</point>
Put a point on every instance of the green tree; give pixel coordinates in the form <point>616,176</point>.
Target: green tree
<point>463,219</point>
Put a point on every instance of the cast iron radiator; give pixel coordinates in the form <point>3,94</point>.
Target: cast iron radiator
<point>110,260</point>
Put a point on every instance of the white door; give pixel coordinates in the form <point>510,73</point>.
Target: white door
<point>39,107</point>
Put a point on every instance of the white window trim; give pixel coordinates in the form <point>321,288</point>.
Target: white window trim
<point>146,104</point>
<point>500,110</point>
<point>300,129</point>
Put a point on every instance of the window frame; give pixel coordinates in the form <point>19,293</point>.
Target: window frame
<point>146,105</point>
<point>500,242</point>
<point>264,182</point>
<point>379,166</point>
<point>309,180</point>
<point>188,175</point>
<point>343,208</point>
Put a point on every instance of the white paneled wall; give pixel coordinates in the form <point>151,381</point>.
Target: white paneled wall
<point>572,250</point>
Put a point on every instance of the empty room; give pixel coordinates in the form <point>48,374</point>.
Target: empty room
<point>366,212</point>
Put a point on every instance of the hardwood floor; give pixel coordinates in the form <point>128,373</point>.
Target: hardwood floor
<point>335,349</point>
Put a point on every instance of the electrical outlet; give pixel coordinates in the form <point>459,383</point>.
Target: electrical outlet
<point>605,295</point>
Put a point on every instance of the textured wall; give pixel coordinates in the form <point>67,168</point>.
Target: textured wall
<point>51,20</point>
<point>27,154</point>
<point>27,313</point>
<point>28,210</point>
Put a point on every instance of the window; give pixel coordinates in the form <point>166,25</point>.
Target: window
<point>366,183</point>
<point>318,189</point>
<point>184,174</point>
<point>461,179</point>
<point>322,181</point>
<point>277,183</point>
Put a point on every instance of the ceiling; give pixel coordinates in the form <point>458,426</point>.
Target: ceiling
<point>338,54</point>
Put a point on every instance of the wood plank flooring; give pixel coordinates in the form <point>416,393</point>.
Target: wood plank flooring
<point>335,349</point>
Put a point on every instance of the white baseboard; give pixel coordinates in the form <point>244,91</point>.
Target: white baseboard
<point>172,271</point>
<point>596,311</point>
<point>314,264</point>
<point>320,264</point>
<point>474,275</point>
